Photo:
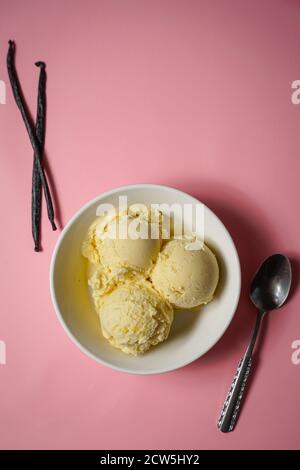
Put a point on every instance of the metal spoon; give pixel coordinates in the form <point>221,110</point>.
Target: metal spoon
<point>269,290</point>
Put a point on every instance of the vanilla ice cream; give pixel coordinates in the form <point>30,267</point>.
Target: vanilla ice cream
<point>187,278</point>
<point>131,239</point>
<point>114,258</point>
<point>134,317</point>
<point>135,280</point>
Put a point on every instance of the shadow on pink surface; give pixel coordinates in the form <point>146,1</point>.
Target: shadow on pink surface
<point>54,193</point>
<point>254,240</point>
<point>55,199</point>
<point>295,262</point>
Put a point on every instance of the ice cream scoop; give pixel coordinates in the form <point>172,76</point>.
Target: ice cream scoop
<point>121,245</point>
<point>126,240</point>
<point>133,254</point>
<point>186,277</point>
<point>135,317</point>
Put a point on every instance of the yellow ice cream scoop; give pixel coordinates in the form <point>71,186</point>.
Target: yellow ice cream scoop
<point>134,317</point>
<point>186,277</point>
<point>133,254</point>
<point>129,240</point>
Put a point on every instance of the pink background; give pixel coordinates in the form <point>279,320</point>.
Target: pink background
<point>194,94</point>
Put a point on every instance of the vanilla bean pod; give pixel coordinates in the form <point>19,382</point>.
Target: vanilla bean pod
<point>14,81</point>
<point>36,199</point>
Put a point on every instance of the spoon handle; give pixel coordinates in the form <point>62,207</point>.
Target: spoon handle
<point>231,407</point>
<point>230,410</point>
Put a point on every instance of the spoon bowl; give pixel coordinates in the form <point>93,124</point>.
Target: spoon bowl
<point>271,284</point>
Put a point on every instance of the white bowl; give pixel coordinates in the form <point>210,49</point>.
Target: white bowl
<point>192,334</point>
